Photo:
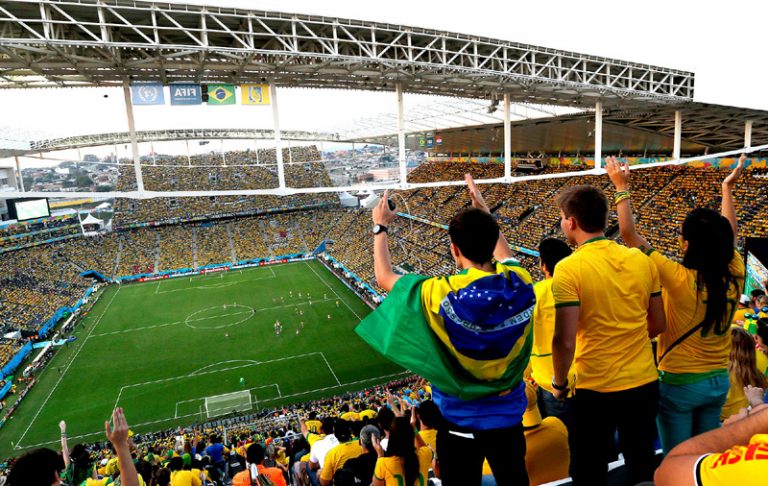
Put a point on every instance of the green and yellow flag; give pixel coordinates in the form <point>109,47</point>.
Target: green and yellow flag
<point>485,350</point>
<point>221,94</point>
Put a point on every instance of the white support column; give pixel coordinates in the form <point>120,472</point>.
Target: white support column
<point>678,135</point>
<point>223,157</point>
<point>189,159</point>
<point>507,140</point>
<point>18,171</point>
<point>598,136</point>
<point>748,134</point>
<point>401,135</point>
<point>278,143</point>
<point>132,130</point>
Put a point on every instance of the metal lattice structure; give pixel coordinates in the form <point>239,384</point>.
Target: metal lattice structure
<point>105,42</point>
<point>95,140</point>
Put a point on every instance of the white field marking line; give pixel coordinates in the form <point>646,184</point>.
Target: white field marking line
<point>155,326</point>
<point>329,367</point>
<point>337,386</point>
<point>201,373</point>
<point>72,360</point>
<point>213,286</point>
<point>176,410</point>
<point>332,290</point>
<point>224,362</point>
<point>143,424</point>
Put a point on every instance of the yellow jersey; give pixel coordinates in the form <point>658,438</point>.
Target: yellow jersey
<point>742,465</point>
<point>390,469</point>
<point>337,457</point>
<point>547,455</point>
<point>612,285</point>
<point>684,308</point>
<point>542,369</point>
<point>350,416</point>
<point>429,436</point>
<point>367,413</point>
<point>313,426</point>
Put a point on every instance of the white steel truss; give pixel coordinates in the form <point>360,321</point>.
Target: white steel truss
<point>102,139</point>
<point>104,42</point>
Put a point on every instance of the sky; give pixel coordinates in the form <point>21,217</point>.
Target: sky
<point>723,44</point>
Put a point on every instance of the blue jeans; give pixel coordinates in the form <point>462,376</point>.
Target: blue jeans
<point>688,410</point>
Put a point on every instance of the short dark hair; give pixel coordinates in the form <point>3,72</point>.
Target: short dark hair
<point>254,454</point>
<point>587,204</point>
<point>756,293</point>
<point>475,233</point>
<point>176,463</point>
<point>551,251</point>
<point>328,424</point>
<point>342,430</point>
<point>429,414</point>
<point>36,467</point>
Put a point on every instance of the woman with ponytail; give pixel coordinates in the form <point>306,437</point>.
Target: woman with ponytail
<point>401,463</point>
<point>700,296</point>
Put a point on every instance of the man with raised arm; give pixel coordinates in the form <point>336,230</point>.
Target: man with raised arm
<point>469,334</point>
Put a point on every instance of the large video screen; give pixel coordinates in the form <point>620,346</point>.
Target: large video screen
<point>756,274</point>
<point>26,209</point>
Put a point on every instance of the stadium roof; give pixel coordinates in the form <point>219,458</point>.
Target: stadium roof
<point>706,128</point>
<point>107,42</point>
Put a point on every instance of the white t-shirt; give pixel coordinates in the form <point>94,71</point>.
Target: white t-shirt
<point>321,448</point>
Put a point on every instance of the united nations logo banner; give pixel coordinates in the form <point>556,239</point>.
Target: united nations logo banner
<point>147,94</point>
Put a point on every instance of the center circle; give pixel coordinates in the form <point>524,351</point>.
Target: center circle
<point>219,316</point>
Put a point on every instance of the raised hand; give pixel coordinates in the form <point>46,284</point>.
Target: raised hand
<point>730,181</point>
<point>474,194</point>
<point>381,213</point>
<point>118,433</point>
<point>618,173</point>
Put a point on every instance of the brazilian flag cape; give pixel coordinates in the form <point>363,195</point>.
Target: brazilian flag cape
<point>399,330</point>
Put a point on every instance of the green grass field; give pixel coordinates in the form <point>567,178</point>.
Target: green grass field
<point>159,348</point>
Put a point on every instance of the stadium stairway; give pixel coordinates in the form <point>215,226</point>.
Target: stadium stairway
<point>194,247</point>
<point>117,258</point>
<point>228,226</point>
<point>157,252</point>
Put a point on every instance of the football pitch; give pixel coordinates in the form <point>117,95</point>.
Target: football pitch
<point>158,349</point>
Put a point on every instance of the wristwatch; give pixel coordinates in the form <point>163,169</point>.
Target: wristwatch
<point>562,387</point>
<point>379,228</point>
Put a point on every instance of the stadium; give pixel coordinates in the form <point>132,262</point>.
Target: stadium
<point>209,281</point>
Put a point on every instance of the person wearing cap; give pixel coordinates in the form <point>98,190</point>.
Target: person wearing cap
<point>551,251</point>
<point>744,308</point>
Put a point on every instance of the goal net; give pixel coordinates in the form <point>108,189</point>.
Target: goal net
<point>227,403</point>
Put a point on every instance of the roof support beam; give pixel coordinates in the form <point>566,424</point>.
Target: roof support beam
<point>748,134</point>
<point>598,136</point>
<point>132,131</point>
<point>401,135</point>
<point>507,139</point>
<point>678,135</point>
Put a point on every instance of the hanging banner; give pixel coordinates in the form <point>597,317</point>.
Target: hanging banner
<point>430,140</point>
<point>186,94</point>
<point>221,94</point>
<point>147,94</point>
<point>439,140</point>
<point>254,94</point>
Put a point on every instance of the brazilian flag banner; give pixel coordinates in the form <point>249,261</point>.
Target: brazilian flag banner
<point>399,330</point>
<point>221,94</point>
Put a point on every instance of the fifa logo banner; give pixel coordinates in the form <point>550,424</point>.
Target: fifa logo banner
<point>254,94</point>
<point>147,94</point>
<point>186,94</point>
<point>221,94</point>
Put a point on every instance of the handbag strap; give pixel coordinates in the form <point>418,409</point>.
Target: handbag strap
<point>680,340</point>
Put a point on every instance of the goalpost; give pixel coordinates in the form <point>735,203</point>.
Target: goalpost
<point>217,405</point>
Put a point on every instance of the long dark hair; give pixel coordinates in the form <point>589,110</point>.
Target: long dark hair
<point>710,251</point>
<point>81,462</point>
<point>400,445</point>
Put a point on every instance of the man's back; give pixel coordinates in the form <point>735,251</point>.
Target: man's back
<point>612,286</point>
